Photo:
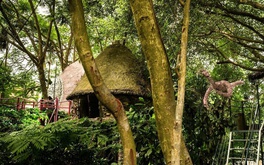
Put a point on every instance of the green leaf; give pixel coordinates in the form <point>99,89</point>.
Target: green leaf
<point>18,147</point>
<point>148,152</point>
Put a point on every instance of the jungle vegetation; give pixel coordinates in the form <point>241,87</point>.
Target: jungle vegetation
<point>176,39</point>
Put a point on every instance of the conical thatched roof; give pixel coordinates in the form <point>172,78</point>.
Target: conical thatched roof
<point>70,77</point>
<point>121,72</point>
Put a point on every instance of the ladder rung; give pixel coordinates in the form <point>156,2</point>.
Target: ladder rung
<point>236,151</point>
<point>239,158</point>
<point>235,158</point>
<point>244,140</point>
<point>243,149</point>
<point>245,131</point>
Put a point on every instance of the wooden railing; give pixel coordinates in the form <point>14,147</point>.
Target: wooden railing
<point>18,103</point>
<point>56,106</point>
<point>43,104</point>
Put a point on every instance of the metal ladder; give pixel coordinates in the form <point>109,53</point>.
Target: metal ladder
<point>244,147</point>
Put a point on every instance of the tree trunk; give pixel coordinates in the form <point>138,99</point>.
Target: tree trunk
<point>160,74</point>
<point>42,81</point>
<point>101,91</point>
<point>181,70</point>
<point>161,82</point>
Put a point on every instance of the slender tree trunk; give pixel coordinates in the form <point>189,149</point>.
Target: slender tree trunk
<point>181,70</point>
<point>161,83</point>
<point>101,91</point>
<point>160,74</point>
<point>42,80</point>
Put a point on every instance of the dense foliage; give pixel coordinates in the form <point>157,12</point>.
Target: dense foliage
<point>5,80</point>
<point>78,141</point>
<point>205,129</point>
<point>142,120</point>
<point>226,38</point>
<point>63,142</point>
<point>13,120</point>
<point>20,84</point>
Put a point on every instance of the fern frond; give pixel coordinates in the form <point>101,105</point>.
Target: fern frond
<point>18,147</point>
<point>22,156</point>
<point>38,143</point>
<point>102,139</point>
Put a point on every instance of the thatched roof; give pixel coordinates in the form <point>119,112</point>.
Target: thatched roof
<point>70,77</point>
<point>121,72</point>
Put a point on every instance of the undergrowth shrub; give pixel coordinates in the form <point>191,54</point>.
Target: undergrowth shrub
<point>142,120</point>
<point>81,141</point>
<point>13,120</point>
<point>65,142</point>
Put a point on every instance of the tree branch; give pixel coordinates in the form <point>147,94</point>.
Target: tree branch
<point>245,25</point>
<point>233,62</point>
<point>40,53</point>
<point>240,13</point>
<point>253,4</point>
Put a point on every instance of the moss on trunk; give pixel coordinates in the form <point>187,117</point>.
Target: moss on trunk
<point>168,123</point>
<point>101,91</point>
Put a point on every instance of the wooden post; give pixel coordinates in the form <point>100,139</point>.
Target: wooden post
<point>42,122</point>
<point>17,104</point>
<point>23,106</point>
<point>69,108</point>
<point>56,106</point>
<point>41,104</point>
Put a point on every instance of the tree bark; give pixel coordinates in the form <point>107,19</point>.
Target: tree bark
<point>42,81</point>
<point>161,81</point>
<point>160,74</point>
<point>181,70</point>
<point>101,91</point>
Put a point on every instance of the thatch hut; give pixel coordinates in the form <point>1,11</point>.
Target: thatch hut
<point>70,77</point>
<point>123,75</point>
